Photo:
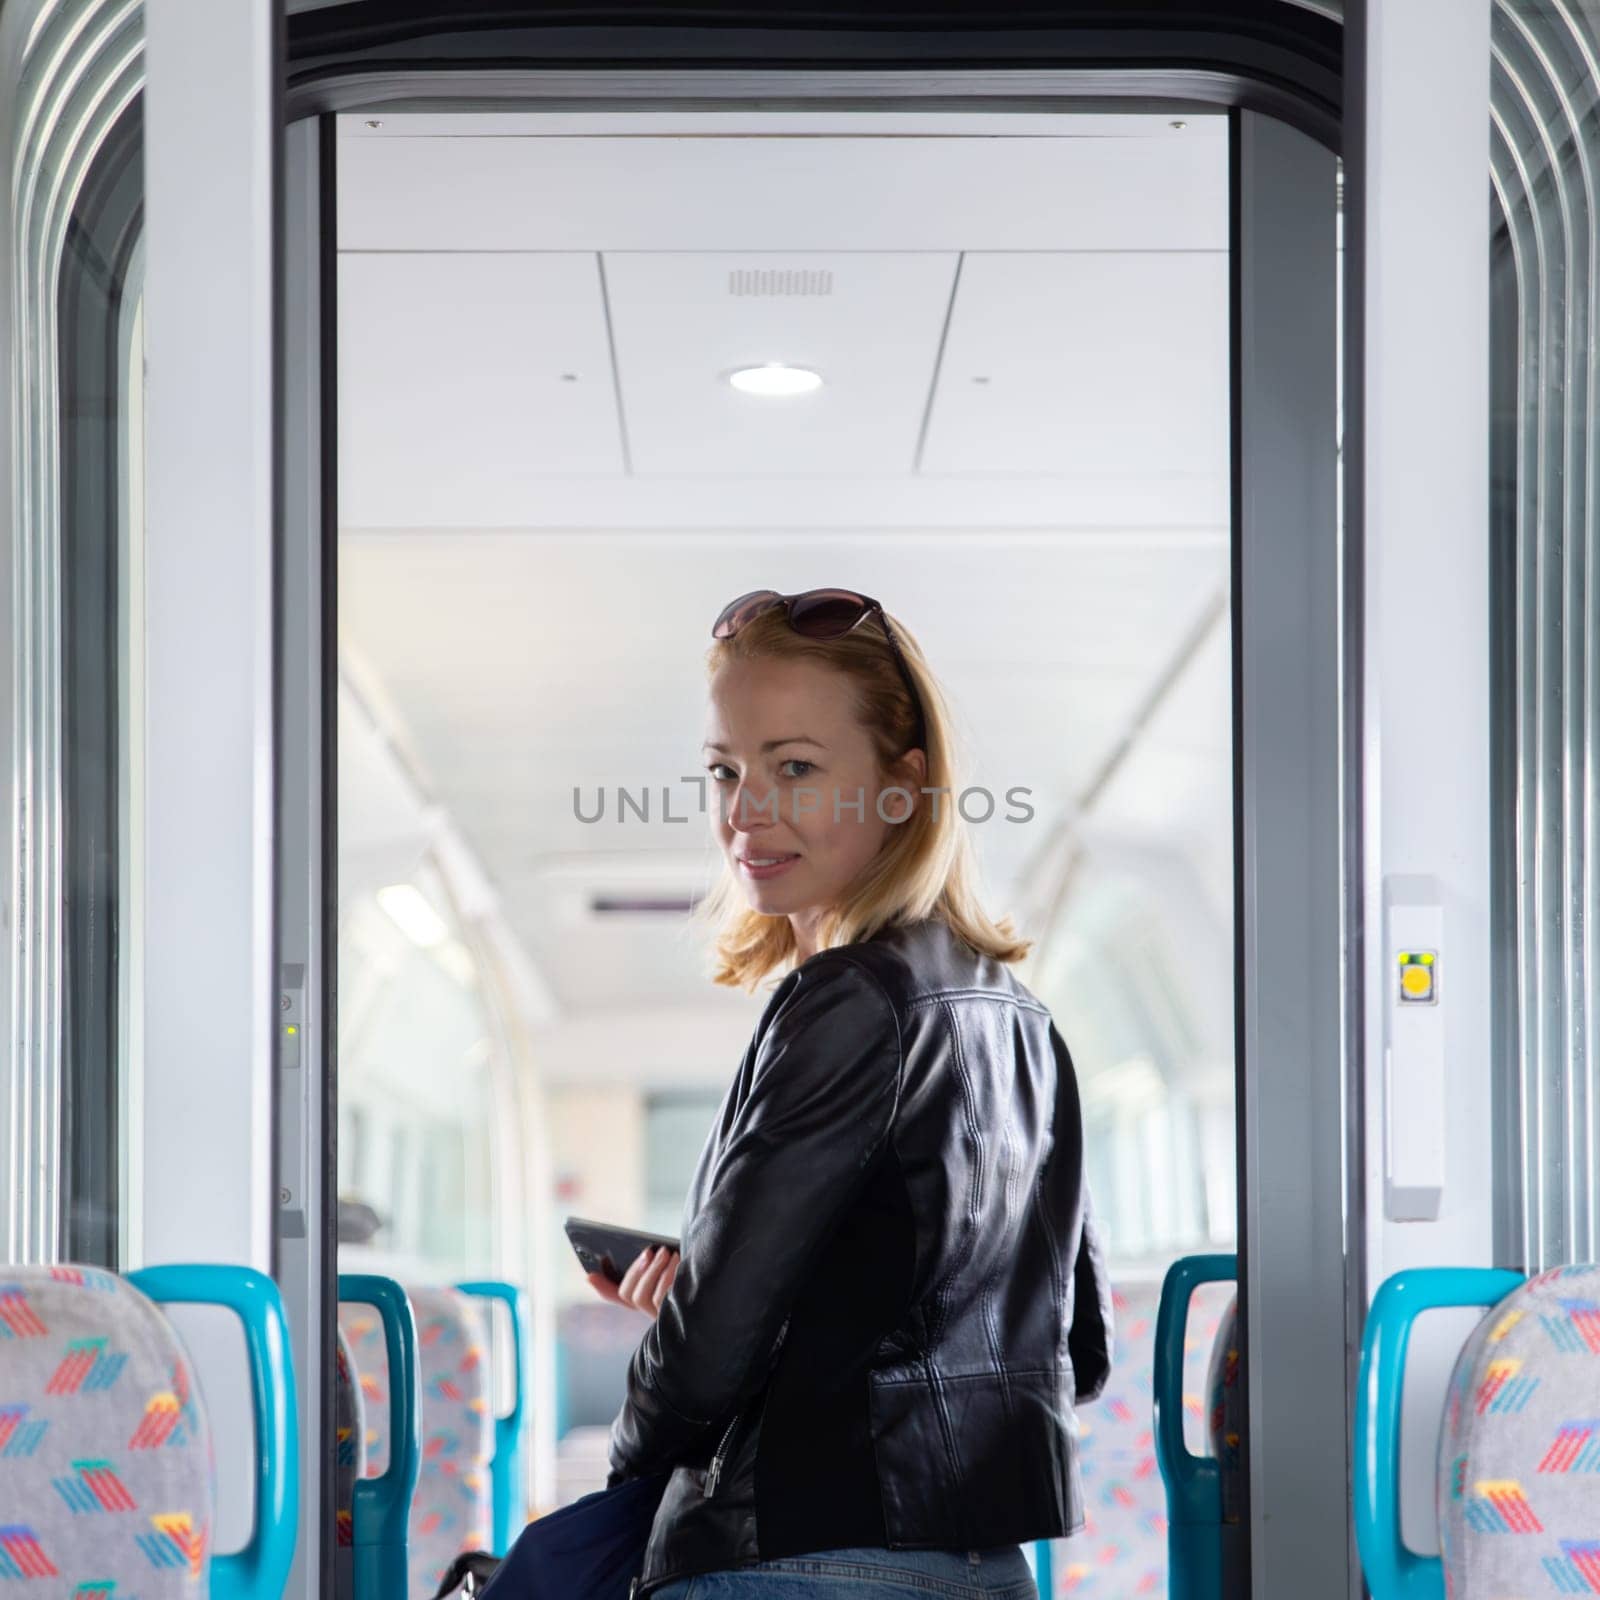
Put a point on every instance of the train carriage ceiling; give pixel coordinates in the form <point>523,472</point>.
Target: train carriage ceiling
<point>548,486</point>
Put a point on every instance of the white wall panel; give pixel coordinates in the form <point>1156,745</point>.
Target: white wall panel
<point>1426,544</point>
<point>209,992</point>
<point>208,586</point>
<point>466,380</point>
<point>680,329</point>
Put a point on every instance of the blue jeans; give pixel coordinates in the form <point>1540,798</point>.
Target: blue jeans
<point>888,1574</point>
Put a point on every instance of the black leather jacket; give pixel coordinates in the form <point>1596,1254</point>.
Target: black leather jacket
<point>892,1292</point>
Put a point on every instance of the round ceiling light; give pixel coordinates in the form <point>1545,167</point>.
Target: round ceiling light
<point>775,380</point>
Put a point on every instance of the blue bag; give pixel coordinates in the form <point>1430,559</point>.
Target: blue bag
<point>590,1550</point>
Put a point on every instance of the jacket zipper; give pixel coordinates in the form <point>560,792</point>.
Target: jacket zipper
<point>714,1474</point>
<point>719,1459</point>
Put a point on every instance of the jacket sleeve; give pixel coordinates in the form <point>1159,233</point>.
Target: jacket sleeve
<point>1089,1338</point>
<point>1089,1335</point>
<point>821,1101</point>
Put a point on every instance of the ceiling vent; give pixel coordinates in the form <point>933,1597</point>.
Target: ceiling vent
<point>774,281</point>
<point>628,905</point>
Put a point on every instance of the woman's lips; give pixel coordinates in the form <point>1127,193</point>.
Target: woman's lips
<point>780,865</point>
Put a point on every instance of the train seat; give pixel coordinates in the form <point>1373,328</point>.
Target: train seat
<point>379,1330</point>
<point>106,1463</point>
<point>452,1511</point>
<point>1122,1548</point>
<point>1519,1445</point>
<point>1519,1455</point>
<point>1225,1414</point>
<point>1197,1426</point>
<point>508,1471</point>
<point>361,1328</point>
<point>451,1507</point>
<point>350,1460</point>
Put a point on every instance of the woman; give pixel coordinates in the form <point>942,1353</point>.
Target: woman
<point>862,1371</point>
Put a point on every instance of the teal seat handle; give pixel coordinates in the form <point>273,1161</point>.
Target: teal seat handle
<point>510,1431</point>
<point>1393,1570</point>
<point>380,1513</point>
<point>261,1569</point>
<point>1193,1483</point>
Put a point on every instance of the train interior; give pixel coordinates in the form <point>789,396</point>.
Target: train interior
<point>548,486</point>
<point>379,464</point>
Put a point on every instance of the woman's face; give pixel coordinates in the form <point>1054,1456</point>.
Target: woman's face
<point>795,786</point>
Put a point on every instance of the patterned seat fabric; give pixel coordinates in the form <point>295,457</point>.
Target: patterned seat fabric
<point>106,1477</point>
<point>1122,1548</point>
<point>453,1505</point>
<point>362,1332</point>
<point>1225,1412</point>
<point>350,1458</point>
<point>1519,1455</point>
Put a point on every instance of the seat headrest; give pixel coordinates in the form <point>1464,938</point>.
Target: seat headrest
<point>1519,1454</point>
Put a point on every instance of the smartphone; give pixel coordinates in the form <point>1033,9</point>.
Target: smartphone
<point>609,1250</point>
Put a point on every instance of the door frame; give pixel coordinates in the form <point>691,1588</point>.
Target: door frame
<point>1295,886</point>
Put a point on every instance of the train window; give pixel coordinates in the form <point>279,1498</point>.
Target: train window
<point>101,382</point>
<point>415,1108</point>
<point>676,1126</point>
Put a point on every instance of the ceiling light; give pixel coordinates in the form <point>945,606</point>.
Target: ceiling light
<point>412,915</point>
<point>775,380</point>
<point>456,959</point>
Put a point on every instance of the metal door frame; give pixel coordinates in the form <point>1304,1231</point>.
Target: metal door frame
<point>1294,883</point>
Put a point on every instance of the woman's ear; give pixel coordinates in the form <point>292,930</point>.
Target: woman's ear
<point>911,772</point>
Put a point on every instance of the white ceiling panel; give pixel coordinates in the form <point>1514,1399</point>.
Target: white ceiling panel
<point>781,186</point>
<point>456,370</point>
<point>681,323</point>
<point>1076,365</point>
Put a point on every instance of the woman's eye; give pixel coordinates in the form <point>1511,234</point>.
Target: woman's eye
<point>720,771</point>
<point>795,761</point>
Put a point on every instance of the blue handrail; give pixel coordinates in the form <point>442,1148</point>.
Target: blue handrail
<point>381,1507</point>
<point>261,1569</point>
<point>1394,1571</point>
<point>510,1431</point>
<point>1193,1483</point>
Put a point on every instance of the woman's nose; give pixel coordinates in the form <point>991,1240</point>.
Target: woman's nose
<point>749,812</point>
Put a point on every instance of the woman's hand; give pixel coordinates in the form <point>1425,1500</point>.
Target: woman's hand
<point>644,1285</point>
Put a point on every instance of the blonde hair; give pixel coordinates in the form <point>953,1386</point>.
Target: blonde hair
<point>925,868</point>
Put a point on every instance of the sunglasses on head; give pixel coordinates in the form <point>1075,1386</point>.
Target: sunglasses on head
<point>821,614</point>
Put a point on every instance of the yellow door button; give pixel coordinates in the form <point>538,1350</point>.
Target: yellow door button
<point>1416,975</point>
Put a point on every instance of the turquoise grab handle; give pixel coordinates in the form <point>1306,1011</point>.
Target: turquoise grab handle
<point>261,1569</point>
<point>1393,1571</point>
<point>1193,1483</point>
<point>510,1431</point>
<point>381,1507</point>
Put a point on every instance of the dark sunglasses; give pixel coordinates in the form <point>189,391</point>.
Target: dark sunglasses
<point>821,614</point>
